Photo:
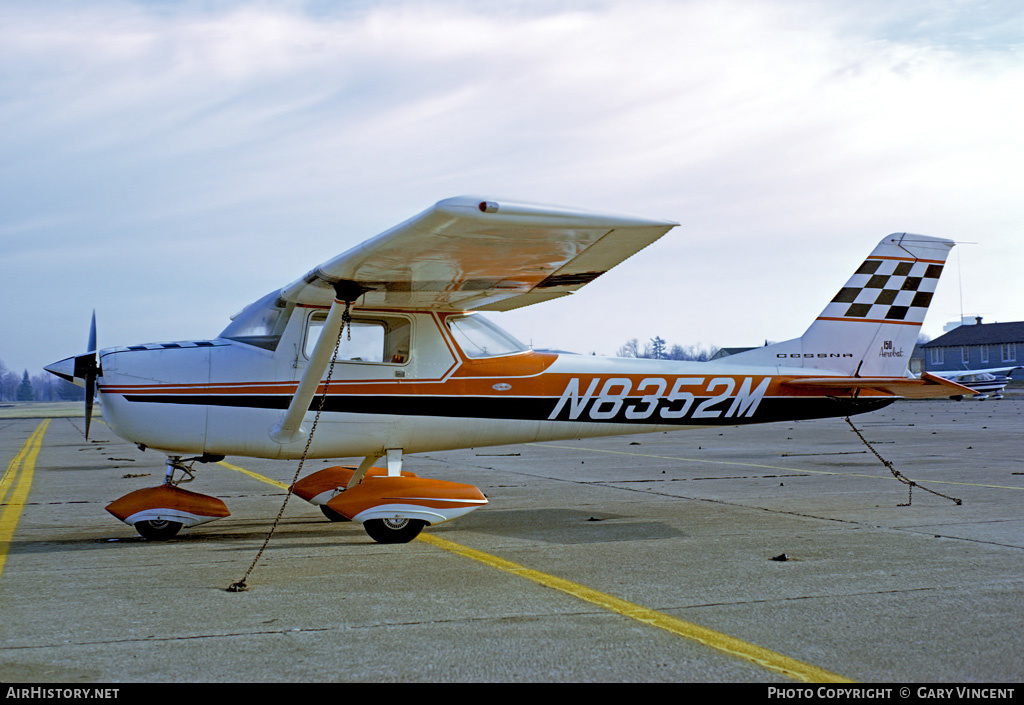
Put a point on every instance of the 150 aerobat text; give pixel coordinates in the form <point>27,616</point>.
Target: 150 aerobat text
<point>656,398</point>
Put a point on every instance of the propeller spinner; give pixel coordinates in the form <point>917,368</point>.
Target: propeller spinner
<point>81,370</point>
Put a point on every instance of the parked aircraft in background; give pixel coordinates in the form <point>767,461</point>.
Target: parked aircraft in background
<point>418,369</point>
<point>988,382</point>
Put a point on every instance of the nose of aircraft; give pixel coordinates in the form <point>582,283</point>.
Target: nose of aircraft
<point>79,368</point>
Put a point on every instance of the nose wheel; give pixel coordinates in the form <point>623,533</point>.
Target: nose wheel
<point>157,529</point>
<point>393,530</point>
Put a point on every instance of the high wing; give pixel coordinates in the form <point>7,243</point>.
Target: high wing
<point>474,253</point>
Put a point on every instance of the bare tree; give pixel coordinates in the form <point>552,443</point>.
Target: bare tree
<point>43,387</point>
<point>9,386</point>
<point>692,352</point>
<point>66,391</point>
<point>630,349</point>
<point>657,348</point>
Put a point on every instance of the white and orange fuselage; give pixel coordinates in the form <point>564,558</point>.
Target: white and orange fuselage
<point>223,397</point>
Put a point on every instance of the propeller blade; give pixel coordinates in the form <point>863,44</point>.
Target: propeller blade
<point>89,367</point>
<point>90,393</point>
<point>92,333</point>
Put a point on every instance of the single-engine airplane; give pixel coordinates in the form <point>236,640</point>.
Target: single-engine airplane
<point>384,346</point>
<point>990,381</point>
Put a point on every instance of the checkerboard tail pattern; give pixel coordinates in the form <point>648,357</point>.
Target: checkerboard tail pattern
<point>887,289</point>
<point>870,327</point>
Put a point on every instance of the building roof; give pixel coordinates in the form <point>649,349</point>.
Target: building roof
<point>981,334</point>
<point>726,352</point>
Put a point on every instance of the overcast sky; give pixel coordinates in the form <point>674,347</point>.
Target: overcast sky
<point>166,163</point>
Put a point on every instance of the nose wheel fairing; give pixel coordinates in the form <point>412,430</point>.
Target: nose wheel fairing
<point>157,506</point>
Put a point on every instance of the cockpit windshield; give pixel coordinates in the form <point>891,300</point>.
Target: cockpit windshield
<point>260,323</point>
<point>478,337</point>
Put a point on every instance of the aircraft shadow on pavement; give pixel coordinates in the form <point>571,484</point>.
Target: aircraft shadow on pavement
<point>566,526</point>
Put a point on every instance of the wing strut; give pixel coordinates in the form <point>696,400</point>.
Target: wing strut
<point>290,427</point>
<point>323,351</point>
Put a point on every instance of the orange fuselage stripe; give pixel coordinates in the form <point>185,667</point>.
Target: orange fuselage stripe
<point>548,385</point>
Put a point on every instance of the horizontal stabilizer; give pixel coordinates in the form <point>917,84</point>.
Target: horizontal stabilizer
<point>928,386</point>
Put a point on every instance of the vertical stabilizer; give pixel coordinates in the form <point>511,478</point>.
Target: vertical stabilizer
<point>870,327</point>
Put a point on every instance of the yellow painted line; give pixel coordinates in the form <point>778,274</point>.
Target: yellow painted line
<point>250,473</point>
<point>18,476</point>
<point>766,467</point>
<point>11,473</point>
<point>716,640</point>
<point>688,630</point>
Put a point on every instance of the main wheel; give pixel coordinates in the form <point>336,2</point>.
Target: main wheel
<point>393,530</point>
<point>333,515</point>
<point>158,529</point>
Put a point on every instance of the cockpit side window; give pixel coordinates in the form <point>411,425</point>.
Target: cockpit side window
<point>366,339</point>
<point>478,337</point>
<point>260,323</point>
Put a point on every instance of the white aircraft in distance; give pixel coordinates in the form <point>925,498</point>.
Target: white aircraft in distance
<point>990,381</point>
<point>418,370</point>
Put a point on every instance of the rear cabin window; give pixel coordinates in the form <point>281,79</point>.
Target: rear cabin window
<point>379,340</point>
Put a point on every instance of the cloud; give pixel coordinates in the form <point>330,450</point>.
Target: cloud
<point>169,163</point>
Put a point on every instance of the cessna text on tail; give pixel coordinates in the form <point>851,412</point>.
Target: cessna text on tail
<point>385,342</point>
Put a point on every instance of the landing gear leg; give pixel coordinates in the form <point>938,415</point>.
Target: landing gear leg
<point>394,456</point>
<point>174,463</point>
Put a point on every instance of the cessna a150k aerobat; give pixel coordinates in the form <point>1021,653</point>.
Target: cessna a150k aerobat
<point>384,347</point>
